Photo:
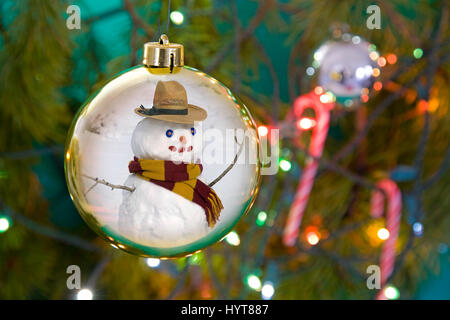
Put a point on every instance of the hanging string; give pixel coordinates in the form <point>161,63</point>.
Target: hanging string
<point>168,19</point>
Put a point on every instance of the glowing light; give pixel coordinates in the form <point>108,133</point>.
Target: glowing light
<point>368,70</point>
<point>153,262</point>
<point>356,39</point>
<point>310,71</point>
<point>381,61</point>
<point>364,98</point>
<point>318,55</point>
<point>391,293</point>
<point>376,72</point>
<point>327,97</point>
<point>422,105</point>
<point>377,85</point>
<point>374,55</point>
<point>318,90</point>
<point>391,58</point>
<point>348,102</point>
<point>261,218</point>
<point>372,47</point>
<point>254,282</point>
<point>418,228</point>
<point>285,165</point>
<point>306,123</point>
<point>418,53</point>
<point>263,131</point>
<point>176,17</point>
<point>312,237</point>
<point>85,294</point>
<point>346,37</point>
<point>364,91</point>
<point>5,223</point>
<point>383,233</point>
<point>267,290</point>
<point>360,73</point>
<point>68,155</point>
<point>433,104</point>
<point>233,239</point>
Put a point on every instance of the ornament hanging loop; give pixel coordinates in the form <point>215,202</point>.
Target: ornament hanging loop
<point>163,54</point>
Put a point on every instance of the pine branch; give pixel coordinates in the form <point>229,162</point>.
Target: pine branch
<point>137,20</point>
<point>254,23</point>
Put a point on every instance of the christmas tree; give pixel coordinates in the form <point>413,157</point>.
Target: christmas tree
<point>263,50</point>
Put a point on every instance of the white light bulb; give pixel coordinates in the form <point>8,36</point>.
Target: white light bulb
<point>418,228</point>
<point>254,282</point>
<point>85,294</point>
<point>153,262</point>
<point>4,224</point>
<point>383,233</point>
<point>233,239</point>
<point>391,293</point>
<point>310,71</point>
<point>267,290</point>
<point>360,72</point>
<point>176,17</point>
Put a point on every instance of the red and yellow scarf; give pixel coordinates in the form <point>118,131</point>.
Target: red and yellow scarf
<point>182,179</point>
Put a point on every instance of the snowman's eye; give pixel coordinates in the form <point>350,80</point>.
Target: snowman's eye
<point>169,133</point>
<point>193,131</point>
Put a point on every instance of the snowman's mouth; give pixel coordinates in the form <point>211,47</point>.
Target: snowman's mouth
<point>180,150</point>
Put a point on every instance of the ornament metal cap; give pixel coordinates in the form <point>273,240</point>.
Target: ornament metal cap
<point>163,54</point>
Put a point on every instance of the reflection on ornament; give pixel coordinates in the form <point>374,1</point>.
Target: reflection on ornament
<point>156,161</point>
<point>263,131</point>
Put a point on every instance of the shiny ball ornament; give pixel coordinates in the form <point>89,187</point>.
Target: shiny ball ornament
<point>346,67</point>
<point>163,160</point>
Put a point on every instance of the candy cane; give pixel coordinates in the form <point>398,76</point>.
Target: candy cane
<point>322,111</point>
<point>393,216</point>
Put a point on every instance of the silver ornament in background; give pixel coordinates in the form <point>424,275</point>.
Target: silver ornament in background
<point>346,67</point>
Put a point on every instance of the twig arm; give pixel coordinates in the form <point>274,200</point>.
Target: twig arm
<point>230,166</point>
<point>106,183</point>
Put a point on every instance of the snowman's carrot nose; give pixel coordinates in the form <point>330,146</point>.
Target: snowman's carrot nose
<point>183,139</point>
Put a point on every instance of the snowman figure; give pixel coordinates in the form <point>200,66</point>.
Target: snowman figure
<point>169,205</point>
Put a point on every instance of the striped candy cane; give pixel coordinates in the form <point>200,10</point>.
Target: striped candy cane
<point>393,217</point>
<point>322,111</point>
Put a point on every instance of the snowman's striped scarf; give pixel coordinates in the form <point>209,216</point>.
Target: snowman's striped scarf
<point>182,179</point>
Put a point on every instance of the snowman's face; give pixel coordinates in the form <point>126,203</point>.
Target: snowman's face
<point>161,140</point>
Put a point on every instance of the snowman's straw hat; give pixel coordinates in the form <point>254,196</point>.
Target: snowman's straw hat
<point>170,104</point>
